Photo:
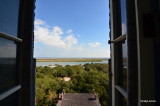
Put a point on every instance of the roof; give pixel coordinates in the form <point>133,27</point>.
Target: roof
<point>78,99</point>
<point>66,78</point>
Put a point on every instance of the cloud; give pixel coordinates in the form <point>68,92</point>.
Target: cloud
<point>69,31</point>
<point>56,43</point>
<point>95,44</point>
<point>53,37</point>
<point>39,22</point>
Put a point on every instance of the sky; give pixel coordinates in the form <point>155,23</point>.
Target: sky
<point>71,28</point>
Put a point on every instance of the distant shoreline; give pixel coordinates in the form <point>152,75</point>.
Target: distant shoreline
<point>71,59</point>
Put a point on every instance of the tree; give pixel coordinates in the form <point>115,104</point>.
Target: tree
<point>49,82</point>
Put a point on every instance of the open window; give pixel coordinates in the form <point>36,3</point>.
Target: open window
<point>16,52</point>
<point>121,78</point>
<point>9,52</point>
<point>119,45</point>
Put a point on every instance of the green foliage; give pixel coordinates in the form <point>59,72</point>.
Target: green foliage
<point>84,79</point>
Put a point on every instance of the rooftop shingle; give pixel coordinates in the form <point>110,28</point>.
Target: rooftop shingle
<point>78,99</point>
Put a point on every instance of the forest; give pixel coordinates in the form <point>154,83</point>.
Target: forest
<point>84,78</point>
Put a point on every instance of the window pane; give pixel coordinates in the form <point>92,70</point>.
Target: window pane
<point>123,17</point>
<point>11,100</point>
<point>125,61</point>
<point>9,16</point>
<point>8,72</point>
<point>124,101</point>
<point>124,45</point>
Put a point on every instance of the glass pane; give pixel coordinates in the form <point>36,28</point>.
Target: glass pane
<point>125,61</point>
<point>123,17</point>
<point>11,100</point>
<point>8,73</point>
<point>9,16</point>
<point>124,44</point>
<point>124,101</point>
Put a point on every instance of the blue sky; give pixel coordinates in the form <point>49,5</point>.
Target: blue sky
<point>71,28</point>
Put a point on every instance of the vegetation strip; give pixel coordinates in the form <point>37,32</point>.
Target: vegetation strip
<point>87,78</point>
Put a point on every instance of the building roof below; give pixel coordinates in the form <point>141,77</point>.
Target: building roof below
<point>78,99</point>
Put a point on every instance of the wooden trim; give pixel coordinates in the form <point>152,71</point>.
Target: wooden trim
<point>9,37</point>
<point>9,92</point>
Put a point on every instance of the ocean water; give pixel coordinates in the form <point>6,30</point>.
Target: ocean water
<point>65,63</point>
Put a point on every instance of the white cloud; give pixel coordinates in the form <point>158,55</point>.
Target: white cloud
<point>59,45</point>
<point>69,31</point>
<point>95,44</point>
<point>39,22</point>
<point>53,37</point>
